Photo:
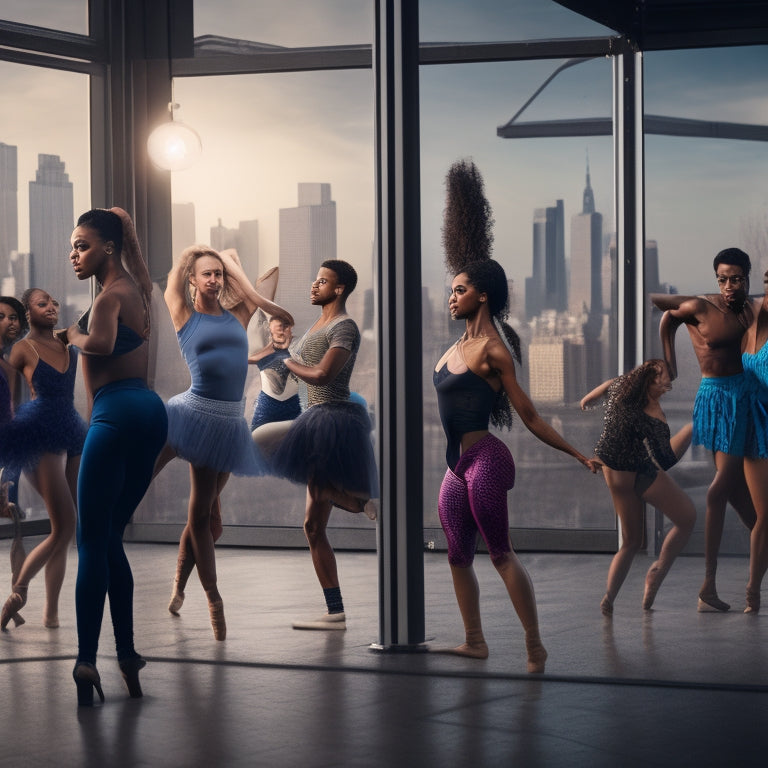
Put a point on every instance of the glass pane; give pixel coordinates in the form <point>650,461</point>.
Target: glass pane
<point>44,185</point>
<point>497,20</point>
<point>287,23</point>
<point>703,195</point>
<point>63,15</point>
<point>287,177</point>
<point>564,312</point>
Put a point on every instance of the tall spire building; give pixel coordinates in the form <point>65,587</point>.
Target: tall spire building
<point>586,288</point>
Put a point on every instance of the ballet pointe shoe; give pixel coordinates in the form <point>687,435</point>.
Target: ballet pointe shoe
<point>753,601</point>
<point>216,610</point>
<point>177,599</point>
<point>653,580</point>
<point>709,602</point>
<point>537,653</point>
<point>13,605</point>
<point>86,679</point>
<point>129,669</point>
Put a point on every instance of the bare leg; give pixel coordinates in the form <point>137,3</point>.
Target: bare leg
<point>675,504</point>
<point>318,512</point>
<point>629,509</point>
<point>520,591</point>
<point>205,486</point>
<point>756,473</point>
<point>728,475</point>
<point>468,597</point>
<point>50,482</point>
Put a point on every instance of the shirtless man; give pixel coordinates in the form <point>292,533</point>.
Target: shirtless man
<point>716,324</point>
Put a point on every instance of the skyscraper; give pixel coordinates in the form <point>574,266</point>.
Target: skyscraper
<point>51,220</point>
<point>307,239</point>
<point>9,206</point>
<point>546,288</point>
<point>586,289</point>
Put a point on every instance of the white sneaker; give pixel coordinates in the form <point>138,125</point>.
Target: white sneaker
<point>328,621</point>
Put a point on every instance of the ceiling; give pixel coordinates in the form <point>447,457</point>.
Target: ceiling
<point>658,24</point>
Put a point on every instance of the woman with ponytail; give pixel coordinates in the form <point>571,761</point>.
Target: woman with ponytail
<point>127,429</point>
<point>476,383</point>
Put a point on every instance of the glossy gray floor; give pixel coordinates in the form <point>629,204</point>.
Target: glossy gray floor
<point>660,688</point>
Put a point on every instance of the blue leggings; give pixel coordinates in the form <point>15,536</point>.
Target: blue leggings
<point>473,498</point>
<point>127,431</point>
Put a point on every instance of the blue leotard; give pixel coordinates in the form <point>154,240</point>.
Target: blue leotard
<point>205,424</point>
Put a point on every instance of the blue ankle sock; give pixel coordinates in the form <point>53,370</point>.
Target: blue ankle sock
<point>333,599</point>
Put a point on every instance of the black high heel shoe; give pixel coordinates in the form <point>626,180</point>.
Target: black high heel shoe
<point>87,678</point>
<point>129,669</point>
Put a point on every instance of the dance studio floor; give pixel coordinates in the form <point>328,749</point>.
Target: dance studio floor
<point>671,687</point>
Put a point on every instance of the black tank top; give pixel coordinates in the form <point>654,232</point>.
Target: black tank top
<point>465,401</point>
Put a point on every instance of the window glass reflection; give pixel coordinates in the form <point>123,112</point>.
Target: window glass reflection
<point>545,194</point>
<point>286,176</point>
<point>496,20</point>
<point>44,185</point>
<point>64,15</point>
<point>703,194</point>
<point>287,23</point>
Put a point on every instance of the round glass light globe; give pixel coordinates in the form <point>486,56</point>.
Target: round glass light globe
<point>174,146</point>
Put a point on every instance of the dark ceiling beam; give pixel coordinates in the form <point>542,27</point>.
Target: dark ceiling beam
<point>664,24</point>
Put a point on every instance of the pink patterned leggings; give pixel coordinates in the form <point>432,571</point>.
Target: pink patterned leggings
<point>473,499</point>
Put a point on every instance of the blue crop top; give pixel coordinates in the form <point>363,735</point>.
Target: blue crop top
<point>126,340</point>
<point>465,401</point>
<point>215,348</point>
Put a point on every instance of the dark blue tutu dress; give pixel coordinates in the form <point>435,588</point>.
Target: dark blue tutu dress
<point>47,424</point>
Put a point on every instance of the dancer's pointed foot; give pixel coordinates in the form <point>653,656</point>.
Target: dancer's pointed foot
<point>177,600</point>
<point>13,605</point>
<point>653,580</point>
<point>753,601</point>
<point>129,669</point>
<point>606,606</point>
<point>709,602</point>
<point>52,621</point>
<point>477,650</point>
<point>86,679</point>
<point>537,659</point>
<point>216,611</point>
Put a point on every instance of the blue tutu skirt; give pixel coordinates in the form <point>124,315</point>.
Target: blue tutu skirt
<point>330,445</point>
<point>214,434</point>
<point>44,425</point>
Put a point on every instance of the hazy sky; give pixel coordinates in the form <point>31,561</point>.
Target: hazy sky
<point>263,134</point>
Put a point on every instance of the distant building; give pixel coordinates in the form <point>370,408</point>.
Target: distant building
<point>9,206</point>
<point>307,238</point>
<point>51,220</point>
<point>546,287</point>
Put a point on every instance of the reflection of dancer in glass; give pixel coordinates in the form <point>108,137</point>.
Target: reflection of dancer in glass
<point>127,430</point>
<point>211,302</point>
<point>328,447</point>
<point>279,396</point>
<point>636,450</point>
<point>755,360</point>
<point>476,383</point>
<point>45,439</point>
<point>716,324</point>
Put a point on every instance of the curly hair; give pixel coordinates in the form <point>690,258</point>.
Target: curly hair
<point>345,274</point>
<point>631,389</point>
<point>467,219</point>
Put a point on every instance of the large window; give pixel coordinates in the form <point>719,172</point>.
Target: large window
<point>556,248</point>
<point>275,147</point>
<point>44,185</point>
<point>703,194</point>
